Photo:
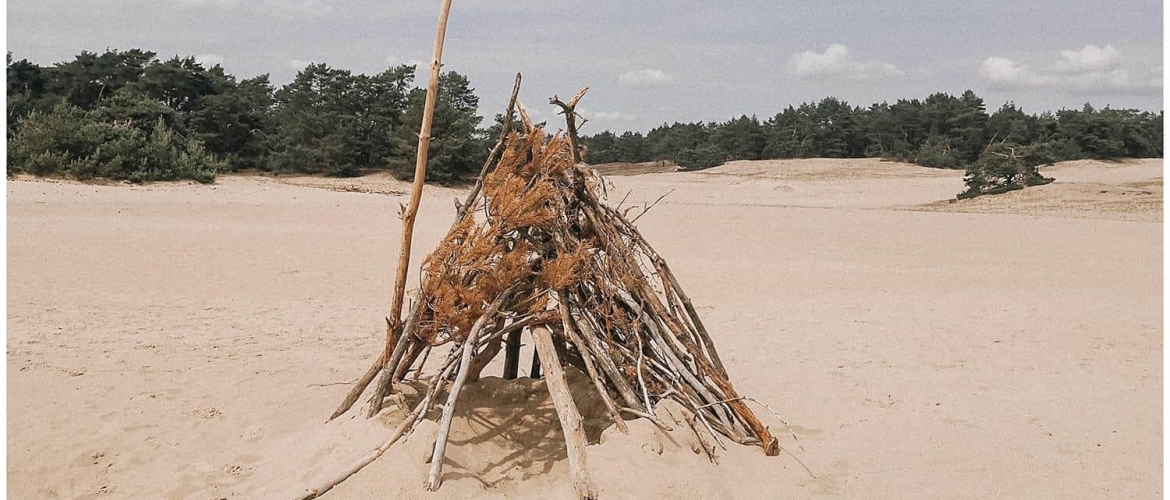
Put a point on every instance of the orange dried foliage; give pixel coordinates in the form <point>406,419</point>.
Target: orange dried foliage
<point>479,260</point>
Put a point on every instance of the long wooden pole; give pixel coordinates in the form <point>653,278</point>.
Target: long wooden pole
<point>420,171</point>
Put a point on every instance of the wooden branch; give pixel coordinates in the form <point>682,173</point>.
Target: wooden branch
<point>394,328</point>
<point>598,381</point>
<point>336,479</point>
<point>610,368</point>
<point>422,364</point>
<point>407,423</point>
<point>449,409</point>
<point>484,358</point>
<point>420,167</point>
<point>492,157</point>
<point>568,109</point>
<point>385,384</point>
<point>571,422</point>
<point>524,119</point>
<point>408,360</point>
<point>358,388</point>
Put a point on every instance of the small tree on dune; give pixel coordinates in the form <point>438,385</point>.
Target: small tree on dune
<point>1004,167</point>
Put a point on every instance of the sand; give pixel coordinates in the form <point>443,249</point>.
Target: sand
<point>188,341</point>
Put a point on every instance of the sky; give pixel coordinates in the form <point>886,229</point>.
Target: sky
<point>653,62</point>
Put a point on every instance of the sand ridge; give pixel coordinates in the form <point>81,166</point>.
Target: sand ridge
<point>187,341</point>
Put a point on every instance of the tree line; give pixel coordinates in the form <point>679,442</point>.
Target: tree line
<point>942,131</point>
<point>129,115</point>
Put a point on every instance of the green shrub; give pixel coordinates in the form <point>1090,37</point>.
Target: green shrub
<point>129,140</point>
<point>1006,167</point>
<point>936,152</point>
<point>699,158</point>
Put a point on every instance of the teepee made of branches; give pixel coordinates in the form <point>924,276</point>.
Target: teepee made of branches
<point>536,249</point>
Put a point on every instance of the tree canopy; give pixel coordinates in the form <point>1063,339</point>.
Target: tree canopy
<point>941,131</point>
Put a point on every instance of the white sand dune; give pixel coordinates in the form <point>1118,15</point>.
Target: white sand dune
<point>188,341</point>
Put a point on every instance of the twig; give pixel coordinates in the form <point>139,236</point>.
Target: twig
<point>648,416</point>
<point>769,408</point>
<point>619,205</point>
<point>647,209</point>
<point>332,383</point>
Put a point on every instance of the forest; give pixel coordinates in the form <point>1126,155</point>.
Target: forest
<point>128,115</point>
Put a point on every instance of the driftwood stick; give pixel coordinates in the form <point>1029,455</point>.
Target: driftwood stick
<point>439,380</point>
<point>336,479</point>
<point>568,109</point>
<point>422,364</point>
<point>571,422</point>
<point>483,358</point>
<point>449,409</point>
<point>708,448</point>
<point>492,156</point>
<point>408,360</point>
<point>409,422</point>
<point>420,165</point>
<point>386,382</point>
<point>638,369</point>
<point>598,382</point>
<point>648,416</point>
<point>610,368</point>
<point>358,388</point>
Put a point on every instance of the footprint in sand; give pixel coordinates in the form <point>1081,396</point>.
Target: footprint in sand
<point>207,413</point>
<point>105,489</point>
<point>238,470</point>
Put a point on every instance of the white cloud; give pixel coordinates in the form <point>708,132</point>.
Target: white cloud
<point>272,7</point>
<point>1090,58</point>
<point>1119,80</point>
<point>1002,70</point>
<point>299,64</point>
<point>393,60</point>
<point>209,60</point>
<point>836,61</point>
<point>1090,69</point>
<point>606,116</point>
<point>644,78</point>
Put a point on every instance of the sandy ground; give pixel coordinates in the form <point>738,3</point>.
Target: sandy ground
<point>188,341</point>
